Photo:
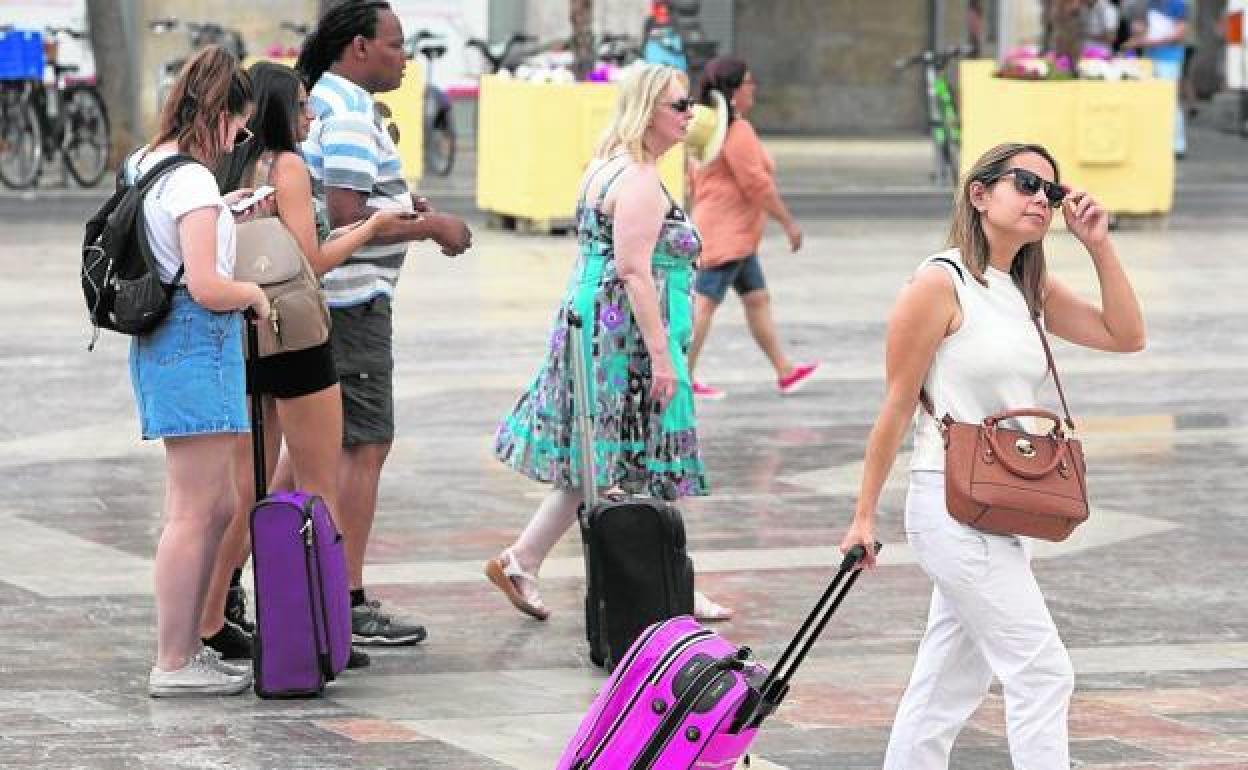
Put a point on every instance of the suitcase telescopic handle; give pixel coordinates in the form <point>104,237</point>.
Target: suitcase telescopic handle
<point>584,419</point>
<point>776,686</point>
<point>257,411</point>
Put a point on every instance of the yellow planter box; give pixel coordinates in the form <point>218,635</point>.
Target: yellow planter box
<point>1112,138</point>
<point>407,112</point>
<point>534,140</point>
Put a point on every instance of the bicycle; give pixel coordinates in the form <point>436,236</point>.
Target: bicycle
<point>942,112</point>
<point>439,131</point>
<point>503,56</point>
<point>201,35</point>
<point>54,115</point>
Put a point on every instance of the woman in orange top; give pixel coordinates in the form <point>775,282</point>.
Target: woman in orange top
<point>732,197</point>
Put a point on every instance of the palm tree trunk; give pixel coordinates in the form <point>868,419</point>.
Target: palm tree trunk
<point>581,14</point>
<point>114,66</point>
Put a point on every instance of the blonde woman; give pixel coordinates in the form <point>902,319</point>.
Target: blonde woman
<point>632,283</point>
<point>962,332</point>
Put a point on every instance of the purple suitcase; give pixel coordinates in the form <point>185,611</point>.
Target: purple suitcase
<point>303,605</point>
<point>302,598</point>
<point>684,698</point>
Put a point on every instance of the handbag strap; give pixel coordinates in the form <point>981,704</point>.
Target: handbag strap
<point>926,400</point>
<point>1048,354</point>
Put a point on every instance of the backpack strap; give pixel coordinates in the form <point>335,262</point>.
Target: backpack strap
<point>141,187</point>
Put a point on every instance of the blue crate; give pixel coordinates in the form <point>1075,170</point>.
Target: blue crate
<point>21,55</point>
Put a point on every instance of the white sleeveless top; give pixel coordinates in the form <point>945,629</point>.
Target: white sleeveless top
<point>993,362</point>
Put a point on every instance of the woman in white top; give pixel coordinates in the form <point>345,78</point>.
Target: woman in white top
<point>962,332</point>
<point>187,373</point>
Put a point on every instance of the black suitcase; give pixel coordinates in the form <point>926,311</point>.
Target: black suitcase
<point>637,571</point>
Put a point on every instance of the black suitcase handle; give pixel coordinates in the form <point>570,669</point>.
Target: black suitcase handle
<point>256,404</point>
<point>776,686</point>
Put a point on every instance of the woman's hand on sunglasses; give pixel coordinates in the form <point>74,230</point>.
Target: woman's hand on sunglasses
<point>1086,219</point>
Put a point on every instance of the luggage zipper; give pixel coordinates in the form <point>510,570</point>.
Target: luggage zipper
<point>699,687</point>
<point>325,658</point>
<point>308,538</point>
<point>667,661</point>
<point>624,664</point>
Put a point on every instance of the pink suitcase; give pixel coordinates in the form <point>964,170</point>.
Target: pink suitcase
<point>685,698</point>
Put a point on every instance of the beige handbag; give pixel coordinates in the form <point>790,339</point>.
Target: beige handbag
<point>1011,482</point>
<point>268,255</point>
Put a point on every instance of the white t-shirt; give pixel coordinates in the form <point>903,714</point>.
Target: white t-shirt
<point>179,192</point>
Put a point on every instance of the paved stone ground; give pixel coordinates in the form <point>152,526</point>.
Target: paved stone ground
<point>1150,595</point>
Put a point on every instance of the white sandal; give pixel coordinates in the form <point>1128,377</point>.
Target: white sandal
<point>518,586</point>
<point>708,611</point>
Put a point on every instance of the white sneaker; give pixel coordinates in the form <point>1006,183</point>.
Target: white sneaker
<point>213,658</point>
<point>197,677</point>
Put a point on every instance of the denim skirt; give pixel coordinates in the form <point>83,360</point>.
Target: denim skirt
<point>188,375</point>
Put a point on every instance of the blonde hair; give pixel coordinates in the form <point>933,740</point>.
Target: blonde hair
<point>639,95</point>
<point>966,233</point>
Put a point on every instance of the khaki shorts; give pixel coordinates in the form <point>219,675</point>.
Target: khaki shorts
<point>361,337</point>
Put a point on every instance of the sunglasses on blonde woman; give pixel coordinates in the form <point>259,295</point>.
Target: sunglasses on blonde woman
<point>1028,183</point>
<point>682,105</point>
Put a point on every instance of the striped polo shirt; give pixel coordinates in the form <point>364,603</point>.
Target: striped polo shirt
<point>349,147</point>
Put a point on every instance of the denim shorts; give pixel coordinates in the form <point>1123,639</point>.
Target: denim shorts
<point>188,375</point>
<point>744,275</point>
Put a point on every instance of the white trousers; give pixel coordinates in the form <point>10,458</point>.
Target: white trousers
<point>987,618</point>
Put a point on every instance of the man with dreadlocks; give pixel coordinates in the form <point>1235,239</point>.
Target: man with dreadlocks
<point>356,51</point>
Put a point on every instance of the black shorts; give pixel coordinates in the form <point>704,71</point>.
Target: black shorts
<point>295,374</point>
<point>362,338</point>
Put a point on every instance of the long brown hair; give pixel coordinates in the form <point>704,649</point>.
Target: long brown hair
<point>967,230</point>
<point>210,85</point>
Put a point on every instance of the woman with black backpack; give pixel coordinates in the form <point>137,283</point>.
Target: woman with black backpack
<point>187,373</point>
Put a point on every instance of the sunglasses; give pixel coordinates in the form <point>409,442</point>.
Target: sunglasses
<point>243,136</point>
<point>682,105</point>
<point>1028,183</point>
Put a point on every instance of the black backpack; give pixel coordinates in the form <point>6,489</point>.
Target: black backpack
<point>120,282</point>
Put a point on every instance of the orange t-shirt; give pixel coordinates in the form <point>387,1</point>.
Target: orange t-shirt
<point>728,197</point>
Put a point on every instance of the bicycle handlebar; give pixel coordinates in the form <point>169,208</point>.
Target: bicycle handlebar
<point>76,34</point>
<point>939,59</point>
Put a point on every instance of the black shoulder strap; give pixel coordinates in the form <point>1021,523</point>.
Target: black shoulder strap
<point>142,185</point>
<point>925,400</point>
<point>145,182</point>
<point>956,267</point>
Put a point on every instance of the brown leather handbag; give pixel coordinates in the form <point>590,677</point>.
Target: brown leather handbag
<point>1010,482</point>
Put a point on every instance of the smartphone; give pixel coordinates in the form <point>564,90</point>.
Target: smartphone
<point>259,194</point>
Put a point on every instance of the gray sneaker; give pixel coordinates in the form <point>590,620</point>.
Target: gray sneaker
<point>371,626</point>
<point>197,677</point>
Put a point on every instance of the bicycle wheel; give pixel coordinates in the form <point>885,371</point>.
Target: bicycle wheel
<point>86,146</point>
<point>952,156</point>
<point>440,150</point>
<point>21,142</point>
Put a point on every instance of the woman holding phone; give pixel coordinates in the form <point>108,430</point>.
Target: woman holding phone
<point>302,402</point>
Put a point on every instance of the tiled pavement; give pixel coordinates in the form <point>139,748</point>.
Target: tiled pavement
<point>1150,596</point>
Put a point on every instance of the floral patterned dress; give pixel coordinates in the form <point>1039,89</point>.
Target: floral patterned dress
<point>639,445</point>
